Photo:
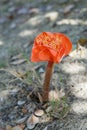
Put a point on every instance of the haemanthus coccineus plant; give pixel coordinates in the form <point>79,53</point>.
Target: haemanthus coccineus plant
<point>51,47</point>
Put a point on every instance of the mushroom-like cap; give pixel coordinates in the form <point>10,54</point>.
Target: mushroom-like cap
<point>50,47</point>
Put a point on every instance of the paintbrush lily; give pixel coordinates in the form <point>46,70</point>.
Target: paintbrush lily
<point>50,47</point>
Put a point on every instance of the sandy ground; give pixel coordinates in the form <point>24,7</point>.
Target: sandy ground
<point>20,22</point>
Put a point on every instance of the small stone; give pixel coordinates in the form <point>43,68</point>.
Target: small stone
<point>52,15</point>
<point>62,1</point>
<point>41,70</point>
<point>49,109</point>
<point>26,129</point>
<point>31,107</point>
<point>68,8</point>
<point>19,121</point>
<point>21,102</point>
<point>11,9</point>
<point>11,117</point>
<point>2,20</point>
<point>22,11</point>
<point>49,7</point>
<point>13,25</point>
<point>76,0</point>
<point>45,128</point>
<point>39,112</point>
<point>14,91</point>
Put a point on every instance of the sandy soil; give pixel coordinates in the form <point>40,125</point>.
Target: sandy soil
<point>20,22</point>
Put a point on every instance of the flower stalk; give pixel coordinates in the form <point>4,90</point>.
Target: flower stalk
<point>46,84</point>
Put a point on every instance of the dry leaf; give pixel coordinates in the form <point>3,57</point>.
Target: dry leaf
<point>24,110</point>
<point>32,121</point>
<point>22,126</point>
<point>82,42</point>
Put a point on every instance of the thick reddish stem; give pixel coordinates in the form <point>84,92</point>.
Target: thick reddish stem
<point>46,85</point>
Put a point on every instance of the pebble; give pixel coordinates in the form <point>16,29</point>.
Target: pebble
<point>49,109</point>
<point>62,1</point>
<point>31,107</point>
<point>22,11</point>
<point>14,91</point>
<point>19,121</point>
<point>52,15</point>
<point>26,129</point>
<point>21,102</point>
<point>68,8</point>
<point>39,112</point>
<point>13,26</point>
<point>11,117</point>
<point>2,20</point>
<point>41,70</point>
<point>12,9</point>
<point>45,128</point>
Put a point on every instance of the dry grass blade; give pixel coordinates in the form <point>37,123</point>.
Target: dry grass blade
<point>40,98</point>
<point>59,109</point>
<point>18,62</point>
<point>39,81</point>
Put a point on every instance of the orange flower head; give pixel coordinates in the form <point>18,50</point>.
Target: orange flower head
<point>50,47</point>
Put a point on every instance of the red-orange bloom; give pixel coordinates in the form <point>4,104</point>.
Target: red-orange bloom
<point>50,47</point>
